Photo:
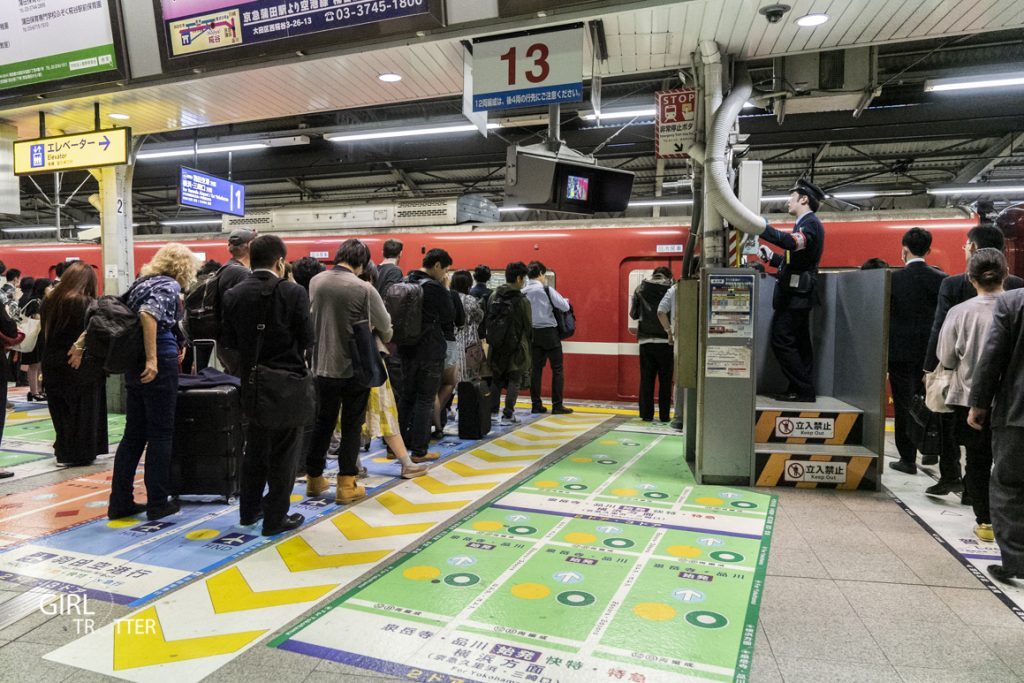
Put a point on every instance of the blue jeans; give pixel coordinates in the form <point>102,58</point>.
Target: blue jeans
<point>149,427</point>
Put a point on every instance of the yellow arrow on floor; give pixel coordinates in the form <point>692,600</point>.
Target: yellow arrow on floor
<point>230,592</point>
<point>436,486</point>
<point>513,446</point>
<point>355,529</point>
<point>549,428</point>
<point>400,506</point>
<point>139,641</point>
<point>521,434</point>
<point>300,556</point>
<point>487,456</point>
<point>466,471</point>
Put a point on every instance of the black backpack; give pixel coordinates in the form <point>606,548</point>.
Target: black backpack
<point>404,303</point>
<point>202,308</point>
<point>650,295</point>
<point>500,324</point>
<point>113,335</point>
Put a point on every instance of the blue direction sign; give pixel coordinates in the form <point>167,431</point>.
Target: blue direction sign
<point>204,191</point>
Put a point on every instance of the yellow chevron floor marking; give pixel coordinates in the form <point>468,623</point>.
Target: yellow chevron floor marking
<point>139,641</point>
<point>299,556</point>
<point>548,428</point>
<point>230,592</point>
<point>432,485</point>
<point>520,434</point>
<point>400,506</point>
<point>487,456</point>
<point>464,470</point>
<point>513,446</point>
<point>355,529</point>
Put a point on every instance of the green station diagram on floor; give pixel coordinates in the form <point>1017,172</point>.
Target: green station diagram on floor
<point>610,564</point>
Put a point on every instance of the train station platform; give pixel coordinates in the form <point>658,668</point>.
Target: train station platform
<point>567,549</point>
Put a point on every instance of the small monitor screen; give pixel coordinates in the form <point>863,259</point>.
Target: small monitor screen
<point>577,188</point>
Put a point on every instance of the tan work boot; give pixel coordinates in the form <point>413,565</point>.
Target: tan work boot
<point>348,491</point>
<point>316,485</point>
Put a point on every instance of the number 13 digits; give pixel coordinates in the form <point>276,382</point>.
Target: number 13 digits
<point>538,53</point>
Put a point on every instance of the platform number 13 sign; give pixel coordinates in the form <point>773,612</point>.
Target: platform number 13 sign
<point>528,69</point>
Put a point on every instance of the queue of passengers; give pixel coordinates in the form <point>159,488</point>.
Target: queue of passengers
<point>304,325</point>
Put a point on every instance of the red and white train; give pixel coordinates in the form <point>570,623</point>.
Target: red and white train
<point>592,262</point>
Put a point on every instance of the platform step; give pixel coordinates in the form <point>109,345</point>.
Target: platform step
<point>827,421</point>
<point>845,466</point>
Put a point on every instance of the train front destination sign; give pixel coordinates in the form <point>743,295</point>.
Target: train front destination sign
<point>72,152</point>
<point>200,190</point>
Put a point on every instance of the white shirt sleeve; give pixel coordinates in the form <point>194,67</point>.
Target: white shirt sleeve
<point>559,301</point>
<point>666,301</point>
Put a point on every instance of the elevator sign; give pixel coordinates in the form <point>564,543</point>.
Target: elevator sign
<point>199,190</point>
<point>72,152</point>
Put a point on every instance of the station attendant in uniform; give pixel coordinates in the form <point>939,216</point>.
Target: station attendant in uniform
<point>795,293</point>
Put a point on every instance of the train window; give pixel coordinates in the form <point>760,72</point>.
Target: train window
<point>635,278</point>
<point>498,278</point>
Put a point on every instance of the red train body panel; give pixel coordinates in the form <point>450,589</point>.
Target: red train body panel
<point>591,261</point>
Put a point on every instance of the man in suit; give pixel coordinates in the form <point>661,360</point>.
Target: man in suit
<point>956,289</point>
<point>915,291</point>
<point>270,454</point>
<point>997,397</point>
<point>795,293</point>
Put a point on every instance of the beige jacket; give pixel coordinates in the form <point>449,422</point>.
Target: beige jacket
<point>337,300</point>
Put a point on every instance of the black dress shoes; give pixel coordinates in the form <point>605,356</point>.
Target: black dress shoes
<point>249,521</point>
<point>160,511</point>
<point>129,511</point>
<point>1000,574</point>
<point>904,467</point>
<point>289,523</point>
<point>943,488</point>
<point>929,460</point>
<point>790,397</point>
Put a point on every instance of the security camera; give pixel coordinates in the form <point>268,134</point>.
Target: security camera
<point>774,13</point>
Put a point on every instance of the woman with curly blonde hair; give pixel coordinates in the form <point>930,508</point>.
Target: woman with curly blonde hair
<point>152,389</point>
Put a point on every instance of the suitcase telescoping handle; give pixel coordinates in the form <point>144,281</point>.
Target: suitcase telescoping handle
<point>212,361</point>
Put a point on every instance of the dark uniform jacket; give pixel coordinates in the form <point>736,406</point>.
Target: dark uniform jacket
<point>999,375</point>
<point>438,320</point>
<point>519,361</point>
<point>955,289</point>
<point>798,265</point>
<point>915,291</point>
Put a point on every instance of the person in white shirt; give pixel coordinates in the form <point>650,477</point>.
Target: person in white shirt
<point>547,346</point>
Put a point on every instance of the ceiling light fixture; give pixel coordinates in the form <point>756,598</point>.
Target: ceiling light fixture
<point>389,77</point>
<point>37,228</point>
<point>638,203</point>
<point>407,132</point>
<point>118,117</point>
<point>213,149</point>
<point>811,20</point>
<point>978,189</point>
<point>625,114</point>
<point>995,80</point>
<point>191,221</point>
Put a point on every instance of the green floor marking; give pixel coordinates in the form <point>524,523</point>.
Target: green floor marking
<point>42,431</point>
<point>8,459</point>
<point>538,584</point>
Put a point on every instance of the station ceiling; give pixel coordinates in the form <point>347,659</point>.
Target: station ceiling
<point>906,140</point>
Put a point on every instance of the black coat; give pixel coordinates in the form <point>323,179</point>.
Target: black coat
<point>955,289</point>
<point>999,376</point>
<point>289,332</point>
<point>915,292</point>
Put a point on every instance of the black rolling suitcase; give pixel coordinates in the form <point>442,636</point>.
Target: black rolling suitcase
<point>474,409</point>
<point>208,441</point>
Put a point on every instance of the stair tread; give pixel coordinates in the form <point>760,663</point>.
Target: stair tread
<point>814,449</point>
<point>824,404</point>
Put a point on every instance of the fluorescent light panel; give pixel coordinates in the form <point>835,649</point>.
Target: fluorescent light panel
<point>637,203</point>
<point>197,221</point>
<point>996,80</point>
<point>38,228</point>
<point>625,114</point>
<point>978,189</point>
<point>407,132</point>
<point>210,149</point>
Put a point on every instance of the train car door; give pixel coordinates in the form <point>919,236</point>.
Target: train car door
<point>631,273</point>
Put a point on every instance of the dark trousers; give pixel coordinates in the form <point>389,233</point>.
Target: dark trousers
<point>547,347</point>
<point>949,456</point>
<point>416,407</point>
<point>1007,496</point>
<point>511,385</point>
<point>906,379</point>
<point>270,456</point>
<point>79,415</point>
<point>350,398</point>
<point>655,362</point>
<point>394,367</point>
<point>3,401</point>
<point>149,427</point>
<point>978,468</point>
<point>791,343</point>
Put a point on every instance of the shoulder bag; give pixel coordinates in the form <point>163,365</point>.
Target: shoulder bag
<point>278,399</point>
<point>30,327</point>
<point>565,321</point>
<point>936,388</point>
<point>367,365</point>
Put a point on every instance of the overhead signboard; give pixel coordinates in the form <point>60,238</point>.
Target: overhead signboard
<point>71,152</point>
<point>528,69</point>
<point>42,41</point>
<point>675,125</point>
<point>196,27</point>
<point>200,190</point>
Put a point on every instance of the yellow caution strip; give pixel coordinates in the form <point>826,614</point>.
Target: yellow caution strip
<point>428,483</point>
<point>400,506</point>
<point>300,556</point>
<point>355,529</point>
<point>230,592</point>
<point>464,470</point>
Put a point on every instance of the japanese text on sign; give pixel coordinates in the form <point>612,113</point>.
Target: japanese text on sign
<point>69,152</point>
<point>675,123</point>
<point>202,191</point>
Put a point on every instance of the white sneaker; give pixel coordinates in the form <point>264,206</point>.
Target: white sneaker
<point>508,421</point>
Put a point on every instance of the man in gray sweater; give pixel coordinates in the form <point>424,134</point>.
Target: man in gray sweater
<point>338,298</point>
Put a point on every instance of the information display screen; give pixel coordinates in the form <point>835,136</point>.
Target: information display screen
<point>577,188</point>
<point>200,190</point>
<point>43,41</point>
<point>195,27</point>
